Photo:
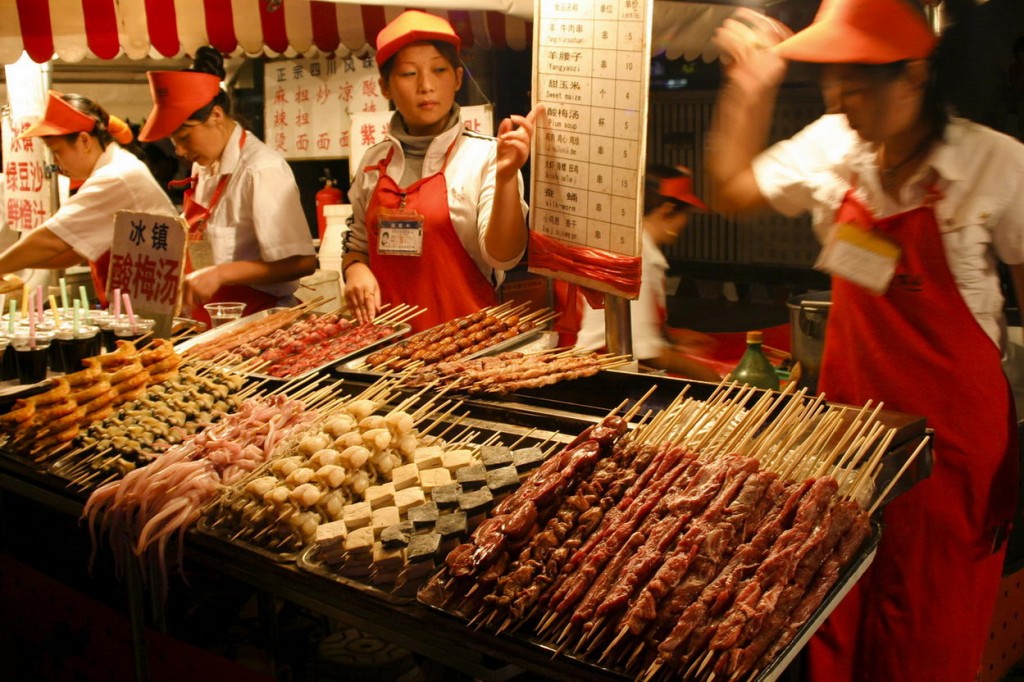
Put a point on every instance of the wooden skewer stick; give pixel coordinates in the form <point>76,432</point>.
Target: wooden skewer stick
<point>870,470</point>
<point>861,447</point>
<point>899,474</point>
<point>632,412</point>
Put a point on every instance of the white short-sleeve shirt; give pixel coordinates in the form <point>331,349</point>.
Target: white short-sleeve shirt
<point>119,182</point>
<point>978,171</point>
<point>259,216</point>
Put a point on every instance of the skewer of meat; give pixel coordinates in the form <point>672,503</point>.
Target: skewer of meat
<point>718,479</point>
<point>739,661</point>
<point>736,608</point>
<point>618,525</point>
<point>823,582</point>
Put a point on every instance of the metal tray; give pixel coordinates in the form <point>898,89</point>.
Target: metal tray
<point>235,325</point>
<point>850,575</point>
<point>358,364</point>
<point>309,560</point>
<point>203,526</point>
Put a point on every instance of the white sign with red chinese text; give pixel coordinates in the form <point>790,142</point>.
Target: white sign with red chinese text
<point>308,104</point>
<point>370,128</point>
<point>26,187</point>
<point>591,72</point>
<point>147,262</point>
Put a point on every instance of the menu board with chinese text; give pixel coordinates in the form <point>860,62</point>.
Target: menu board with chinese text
<point>591,73</point>
<point>308,103</point>
<point>26,187</point>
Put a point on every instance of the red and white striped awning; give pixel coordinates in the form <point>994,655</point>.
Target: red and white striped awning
<point>72,30</point>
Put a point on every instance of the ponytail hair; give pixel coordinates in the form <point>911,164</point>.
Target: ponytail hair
<point>94,111</point>
<point>209,60</point>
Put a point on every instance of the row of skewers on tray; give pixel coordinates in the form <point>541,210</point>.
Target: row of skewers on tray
<point>293,342</point>
<point>695,546</point>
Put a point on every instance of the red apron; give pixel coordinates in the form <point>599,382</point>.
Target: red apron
<point>444,279</point>
<point>100,270</point>
<point>196,216</point>
<point>923,610</point>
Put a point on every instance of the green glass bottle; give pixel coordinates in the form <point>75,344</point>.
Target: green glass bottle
<point>754,368</point>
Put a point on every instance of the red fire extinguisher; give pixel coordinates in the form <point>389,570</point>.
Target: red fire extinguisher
<point>327,196</point>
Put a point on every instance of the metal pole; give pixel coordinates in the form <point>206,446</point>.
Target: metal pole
<point>618,325</point>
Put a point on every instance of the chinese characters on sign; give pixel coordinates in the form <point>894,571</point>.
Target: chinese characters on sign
<point>308,103</point>
<point>147,261</point>
<point>591,74</point>
<point>26,187</point>
<point>370,128</point>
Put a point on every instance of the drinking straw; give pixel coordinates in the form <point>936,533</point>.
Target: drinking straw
<point>128,311</point>
<point>31,330</point>
<point>63,294</point>
<point>53,309</point>
<point>117,303</point>
<point>10,317</point>
<point>84,295</point>
<point>74,322</point>
<point>39,302</point>
<point>3,303</point>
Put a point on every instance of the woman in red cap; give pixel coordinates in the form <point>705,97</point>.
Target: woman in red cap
<point>668,199</point>
<point>450,199</point>
<point>248,236</point>
<point>86,144</point>
<point>915,207</point>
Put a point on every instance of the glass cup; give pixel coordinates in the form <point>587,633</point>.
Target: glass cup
<point>125,330</point>
<point>85,343</point>
<point>30,354</point>
<point>104,321</point>
<point>62,339</point>
<point>221,313</point>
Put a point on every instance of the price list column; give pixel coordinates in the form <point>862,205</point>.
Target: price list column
<point>592,71</point>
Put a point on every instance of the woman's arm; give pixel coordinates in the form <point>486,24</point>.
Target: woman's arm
<point>672,361</point>
<point>40,248</point>
<point>202,284</point>
<point>505,237</point>
<point>743,114</point>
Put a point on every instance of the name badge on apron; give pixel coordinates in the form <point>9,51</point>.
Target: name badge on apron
<point>400,232</point>
<point>200,253</point>
<point>860,256</point>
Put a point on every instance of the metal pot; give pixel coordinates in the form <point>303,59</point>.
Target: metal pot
<point>808,316</point>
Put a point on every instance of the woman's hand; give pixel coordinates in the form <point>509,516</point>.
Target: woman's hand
<point>361,292</point>
<point>200,286</point>
<point>746,40</point>
<point>514,135</point>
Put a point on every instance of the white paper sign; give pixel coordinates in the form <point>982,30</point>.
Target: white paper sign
<point>147,261</point>
<point>370,128</point>
<point>308,104</point>
<point>26,187</point>
<point>591,74</point>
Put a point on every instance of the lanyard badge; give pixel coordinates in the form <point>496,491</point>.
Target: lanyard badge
<point>399,232</point>
<point>860,256</point>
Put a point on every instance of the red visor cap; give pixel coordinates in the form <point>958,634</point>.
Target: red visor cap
<point>60,119</point>
<point>413,26</point>
<point>176,96</point>
<point>681,189</point>
<point>862,32</point>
